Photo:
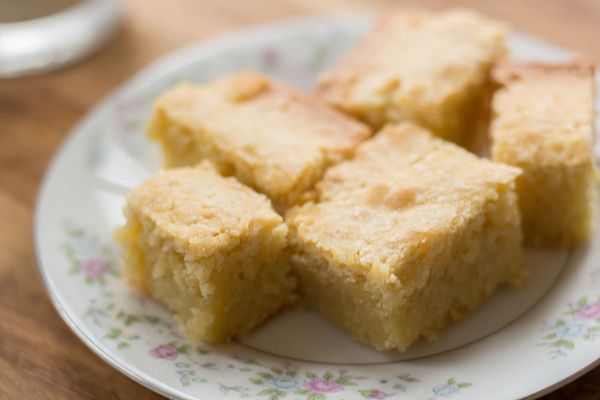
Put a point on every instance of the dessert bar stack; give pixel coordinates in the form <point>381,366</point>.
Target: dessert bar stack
<point>270,195</point>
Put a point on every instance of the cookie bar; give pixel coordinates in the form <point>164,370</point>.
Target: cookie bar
<point>432,68</point>
<point>410,235</point>
<point>209,248</point>
<point>544,124</point>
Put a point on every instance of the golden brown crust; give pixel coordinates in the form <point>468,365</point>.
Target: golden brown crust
<point>243,86</point>
<point>388,158</point>
<point>200,211</point>
<point>506,72</point>
<point>543,113</point>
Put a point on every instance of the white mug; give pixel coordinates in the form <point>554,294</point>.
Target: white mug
<point>51,41</point>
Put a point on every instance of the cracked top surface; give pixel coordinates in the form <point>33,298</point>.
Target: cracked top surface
<point>414,59</point>
<point>279,139</point>
<point>403,189</point>
<point>201,211</point>
<point>544,114</point>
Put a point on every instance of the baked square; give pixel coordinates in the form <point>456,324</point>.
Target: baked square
<point>209,248</point>
<point>271,137</point>
<point>544,124</point>
<point>432,68</point>
<point>411,234</point>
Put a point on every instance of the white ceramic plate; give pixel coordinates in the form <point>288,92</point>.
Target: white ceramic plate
<point>522,343</point>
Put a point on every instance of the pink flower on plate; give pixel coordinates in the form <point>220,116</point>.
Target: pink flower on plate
<point>377,394</point>
<point>322,385</point>
<point>589,312</point>
<point>164,351</point>
<point>94,267</point>
<point>373,394</point>
<point>270,56</point>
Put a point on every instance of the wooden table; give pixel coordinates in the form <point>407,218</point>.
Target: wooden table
<point>39,356</point>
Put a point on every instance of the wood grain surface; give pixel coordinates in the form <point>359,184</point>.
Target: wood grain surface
<point>39,356</point>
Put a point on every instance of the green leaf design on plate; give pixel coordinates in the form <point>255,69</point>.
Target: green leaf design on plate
<point>265,392</point>
<point>276,370</point>
<point>202,351</point>
<point>366,393</point>
<point>563,343</point>
<point>183,349</point>
<point>344,380</point>
<point>582,302</point>
<point>113,333</point>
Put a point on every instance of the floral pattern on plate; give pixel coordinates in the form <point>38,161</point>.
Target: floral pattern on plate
<point>580,322</point>
<point>271,382</point>
<point>450,388</point>
<point>88,258</point>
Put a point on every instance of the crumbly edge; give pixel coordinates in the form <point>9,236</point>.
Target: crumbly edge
<point>387,315</point>
<point>214,298</point>
<point>558,203</point>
